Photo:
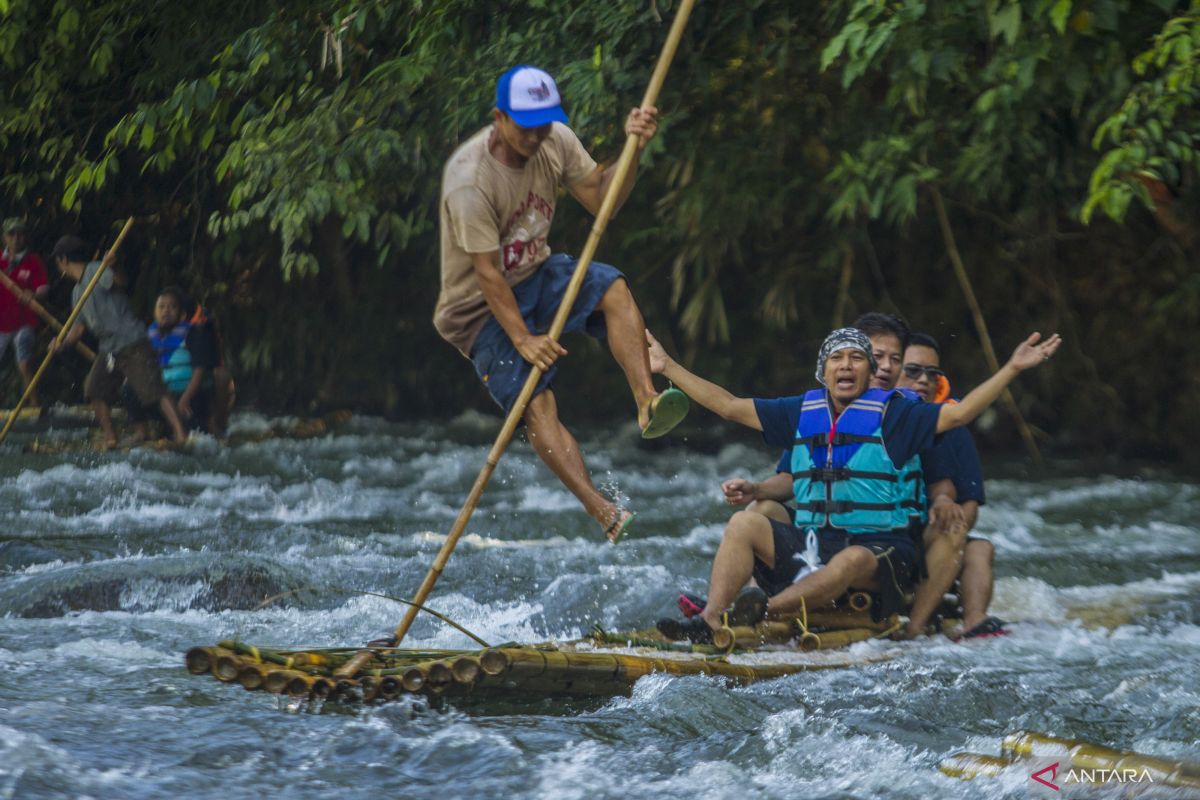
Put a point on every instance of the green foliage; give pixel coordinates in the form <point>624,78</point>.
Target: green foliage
<point>291,155</point>
<point>1154,137</point>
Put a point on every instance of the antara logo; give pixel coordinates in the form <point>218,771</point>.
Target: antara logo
<point>1053,770</point>
<point>541,92</point>
<point>1092,776</point>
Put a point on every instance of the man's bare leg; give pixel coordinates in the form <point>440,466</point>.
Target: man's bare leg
<point>747,536</point>
<point>627,341</point>
<point>772,510</point>
<point>855,566</point>
<point>178,434</point>
<point>976,581</point>
<point>943,560</point>
<point>558,449</point>
<point>104,417</point>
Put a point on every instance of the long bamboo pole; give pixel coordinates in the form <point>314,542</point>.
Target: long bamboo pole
<point>989,353</point>
<point>109,257</point>
<point>620,174</point>
<point>46,316</point>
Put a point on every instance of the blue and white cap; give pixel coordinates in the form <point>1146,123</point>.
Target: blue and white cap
<point>530,96</point>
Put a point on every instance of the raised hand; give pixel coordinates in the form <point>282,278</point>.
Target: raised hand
<point>643,123</point>
<point>658,356</point>
<point>1030,353</point>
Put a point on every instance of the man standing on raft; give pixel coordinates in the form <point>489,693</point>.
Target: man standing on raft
<point>850,447</point>
<point>501,286</point>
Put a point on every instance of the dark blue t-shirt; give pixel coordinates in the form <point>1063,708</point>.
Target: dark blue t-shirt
<point>909,426</point>
<point>954,456</point>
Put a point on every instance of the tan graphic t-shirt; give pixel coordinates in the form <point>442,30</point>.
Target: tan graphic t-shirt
<point>488,206</point>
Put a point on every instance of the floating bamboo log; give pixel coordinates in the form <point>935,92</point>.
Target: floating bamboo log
<point>199,660</point>
<point>252,676</point>
<point>1093,764</point>
<point>969,766</point>
<point>1088,756</point>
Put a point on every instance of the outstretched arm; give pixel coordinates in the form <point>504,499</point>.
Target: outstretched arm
<point>716,399</point>
<point>1027,355</point>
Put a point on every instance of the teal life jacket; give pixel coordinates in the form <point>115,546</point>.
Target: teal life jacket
<point>842,474</point>
<point>173,357</point>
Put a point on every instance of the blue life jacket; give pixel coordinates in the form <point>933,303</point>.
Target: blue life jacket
<point>173,357</point>
<point>842,474</point>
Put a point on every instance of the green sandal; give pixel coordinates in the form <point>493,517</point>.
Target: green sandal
<point>666,411</point>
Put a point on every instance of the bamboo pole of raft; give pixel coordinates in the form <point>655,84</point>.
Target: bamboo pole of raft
<point>621,172</point>
<point>46,316</point>
<point>981,328</point>
<point>109,257</point>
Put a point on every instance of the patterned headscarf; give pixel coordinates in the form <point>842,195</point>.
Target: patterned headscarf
<point>842,339</point>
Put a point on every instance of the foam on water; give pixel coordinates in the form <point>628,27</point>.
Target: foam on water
<point>111,567</point>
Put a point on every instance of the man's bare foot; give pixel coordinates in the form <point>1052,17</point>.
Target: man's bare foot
<point>664,411</point>
<point>111,443</point>
<point>619,526</point>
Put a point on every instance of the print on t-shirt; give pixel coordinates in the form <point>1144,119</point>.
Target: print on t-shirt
<point>526,231</point>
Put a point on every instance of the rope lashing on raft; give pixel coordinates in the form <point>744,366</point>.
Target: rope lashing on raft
<point>347,590</point>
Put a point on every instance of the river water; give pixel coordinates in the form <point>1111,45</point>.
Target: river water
<point>112,565</point>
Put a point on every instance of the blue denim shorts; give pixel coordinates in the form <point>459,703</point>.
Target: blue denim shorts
<point>497,362</point>
<point>22,339</point>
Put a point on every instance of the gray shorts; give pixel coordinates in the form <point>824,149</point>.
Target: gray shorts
<point>22,339</point>
<point>136,364</point>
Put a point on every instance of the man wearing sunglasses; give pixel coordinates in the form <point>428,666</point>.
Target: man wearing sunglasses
<point>922,374</point>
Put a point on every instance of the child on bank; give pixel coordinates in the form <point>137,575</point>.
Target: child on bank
<point>185,356</point>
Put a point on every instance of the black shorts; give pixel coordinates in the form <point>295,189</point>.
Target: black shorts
<point>790,542</point>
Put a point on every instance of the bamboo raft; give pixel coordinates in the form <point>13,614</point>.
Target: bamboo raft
<point>1075,763</point>
<point>601,665</point>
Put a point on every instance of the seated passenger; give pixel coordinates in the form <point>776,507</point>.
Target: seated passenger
<point>973,568</point>
<point>224,391</point>
<point>852,447</point>
<point>185,358</point>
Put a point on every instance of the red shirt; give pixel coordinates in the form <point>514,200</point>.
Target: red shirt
<point>29,274</point>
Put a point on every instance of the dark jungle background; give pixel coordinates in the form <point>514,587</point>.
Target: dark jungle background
<point>284,160</point>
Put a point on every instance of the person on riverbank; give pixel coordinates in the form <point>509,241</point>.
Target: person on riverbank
<point>849,530</point>
<point>500,285</point>
<point>18,323</point>
<point>224,389</point>
<point>124,351</point>
<point>974,555</point>
<point>186,359</point>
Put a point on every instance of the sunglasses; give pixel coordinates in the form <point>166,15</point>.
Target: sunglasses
<point>915,371</point>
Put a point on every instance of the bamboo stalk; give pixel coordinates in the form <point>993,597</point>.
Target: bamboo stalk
<point>969,766</point>
<point>843,293</point>
<point>252,676</point>
<point>831,640</point>
<point>370,688</point>
<point>989,352</point>
<point>45,315</point>
<point>860,601</point>
<point>607,207</point>
<point>414,678</point>
<point>227,667</point>
<point>276,681</point>
<point>465,670</point>
<point>109,257</point>
<point>390,687</point>
<point>199,660</point>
